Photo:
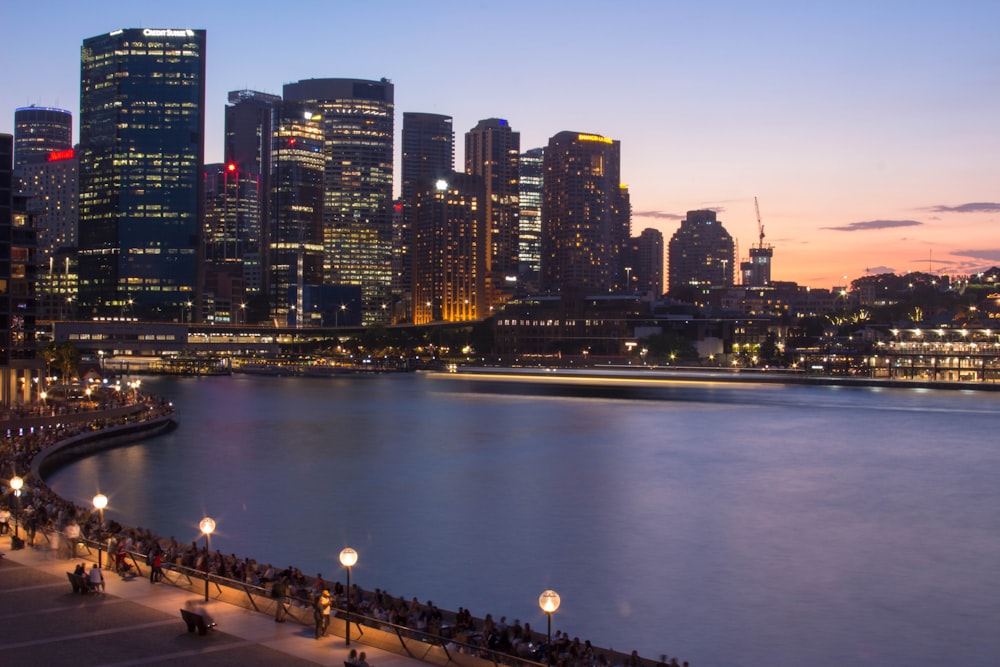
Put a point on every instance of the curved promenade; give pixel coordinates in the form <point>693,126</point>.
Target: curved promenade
<point>49,441</point>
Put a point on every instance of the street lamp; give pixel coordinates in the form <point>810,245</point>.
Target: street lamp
<point>348,557</point>
<point>549,602</point>
<point>16,483</point>
<point>100,502</point>
<point>207,525</point>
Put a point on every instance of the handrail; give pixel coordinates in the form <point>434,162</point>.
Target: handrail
<point>255,596</point>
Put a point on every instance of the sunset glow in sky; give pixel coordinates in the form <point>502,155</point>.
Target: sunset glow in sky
<point>869,131</point>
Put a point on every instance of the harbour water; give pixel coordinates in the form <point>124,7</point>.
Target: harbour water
<point>730,525</point>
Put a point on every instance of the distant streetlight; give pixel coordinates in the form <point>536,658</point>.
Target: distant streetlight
<point>100,502</point>
<point>549,602</point>
<point>16,483</point>
<point>348,557</point>
<point>207,525</point>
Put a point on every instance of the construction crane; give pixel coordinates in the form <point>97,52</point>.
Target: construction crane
<point>760,227</point>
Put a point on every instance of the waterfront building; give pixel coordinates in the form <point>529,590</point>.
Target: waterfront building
<point>701,256</point>
<point>142,119</point>
<point>231,235</point>
<point>251,118</point>
<point>51,184</point>
<point>449,250</point>
<point>295,241</point>
<point>492,152</point>
<point>644,263</point>
<point>19,368</point>
<point>428,155</point>
<point>529,236</point>
<point>357,184</point>
<point>585,214</point>
<point>39,131</point>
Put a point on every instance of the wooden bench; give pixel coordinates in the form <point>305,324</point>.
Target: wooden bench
<point>195,620</point>
<point>79,582</point>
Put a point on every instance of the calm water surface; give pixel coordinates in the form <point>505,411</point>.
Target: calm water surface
<point>733,525</point>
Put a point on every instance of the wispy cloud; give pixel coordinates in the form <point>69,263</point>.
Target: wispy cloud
<point>878,270</point>
<point>874,224</point>
<point>659,215</point>
<point>985,254</point>
<point>973,207</point>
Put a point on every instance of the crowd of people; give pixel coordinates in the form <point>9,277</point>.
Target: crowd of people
<point>48,520</point>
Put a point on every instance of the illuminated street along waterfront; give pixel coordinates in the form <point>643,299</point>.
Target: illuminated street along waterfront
<point>755,525</point>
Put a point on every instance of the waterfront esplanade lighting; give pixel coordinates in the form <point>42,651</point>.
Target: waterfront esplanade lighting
<point>100,502</point>
<point>348,557</point>
<point>207,525</point>
<point>549,602</point>
<point>16,483</point>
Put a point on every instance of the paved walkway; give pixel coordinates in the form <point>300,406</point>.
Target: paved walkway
<point>42,622</point>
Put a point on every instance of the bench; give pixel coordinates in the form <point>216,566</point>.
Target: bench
<point>79,582</point>
<point>195,620</point>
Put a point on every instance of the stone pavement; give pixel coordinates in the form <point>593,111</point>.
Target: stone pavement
<point>42,622</point>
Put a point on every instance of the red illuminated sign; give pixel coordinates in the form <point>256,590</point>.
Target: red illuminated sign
<point>55,156</point>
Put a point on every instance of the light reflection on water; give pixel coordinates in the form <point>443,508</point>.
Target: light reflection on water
<point>733,525</point>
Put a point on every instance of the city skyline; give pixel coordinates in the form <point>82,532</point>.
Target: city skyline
<point>868,135</point>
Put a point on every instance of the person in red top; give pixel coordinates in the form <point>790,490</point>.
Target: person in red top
<point>156,573</point>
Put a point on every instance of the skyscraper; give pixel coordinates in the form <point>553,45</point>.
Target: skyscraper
<point>251,117</point>
<point>357,184</point>
<point>701,253</point>
<point>428,155</point>
<point>492,151</point>
<point>529,238</point>
<point>449,250</point>
<point>142,117</point>
<point>644,263</point>
<point>295,245</point>
<point>585,214</point>
<point>39,131</point>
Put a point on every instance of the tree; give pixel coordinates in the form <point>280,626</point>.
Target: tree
<point>64,356</point>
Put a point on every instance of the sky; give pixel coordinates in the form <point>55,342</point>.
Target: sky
<point>868,131</point>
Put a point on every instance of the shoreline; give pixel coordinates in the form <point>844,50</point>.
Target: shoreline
<point>80,444</point>
<point>645,377</point>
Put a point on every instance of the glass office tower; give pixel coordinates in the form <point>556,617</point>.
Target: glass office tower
<point>142,117</point>
<point>357,184</point>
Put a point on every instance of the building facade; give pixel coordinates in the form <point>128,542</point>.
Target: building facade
<point>449,251</point>
<point>492,152</point>
<point>357,184</point>
<point>585,214</point>
<point>701,254</point>
<point>39,131</point>
<point>251,120</point>
<point>142,119</point>
<point>295,241</point>
<point>428,143</point>
<point>529,239</point>
<point>644,263</point>
<point>20,370</point>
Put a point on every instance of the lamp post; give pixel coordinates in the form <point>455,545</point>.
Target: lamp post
<point>348,557</point>
<point>100,502</point>
<point>16,483</point>
<point>207,525</point>
<point>549,602</point>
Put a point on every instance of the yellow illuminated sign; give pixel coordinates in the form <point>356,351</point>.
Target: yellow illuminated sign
<point>594,137</point>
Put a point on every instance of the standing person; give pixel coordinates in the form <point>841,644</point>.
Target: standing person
<point>4,520</point>
<point>280,592</point>
<point>156,574</point>
<point>321,613</point>
<point>96,579</point>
